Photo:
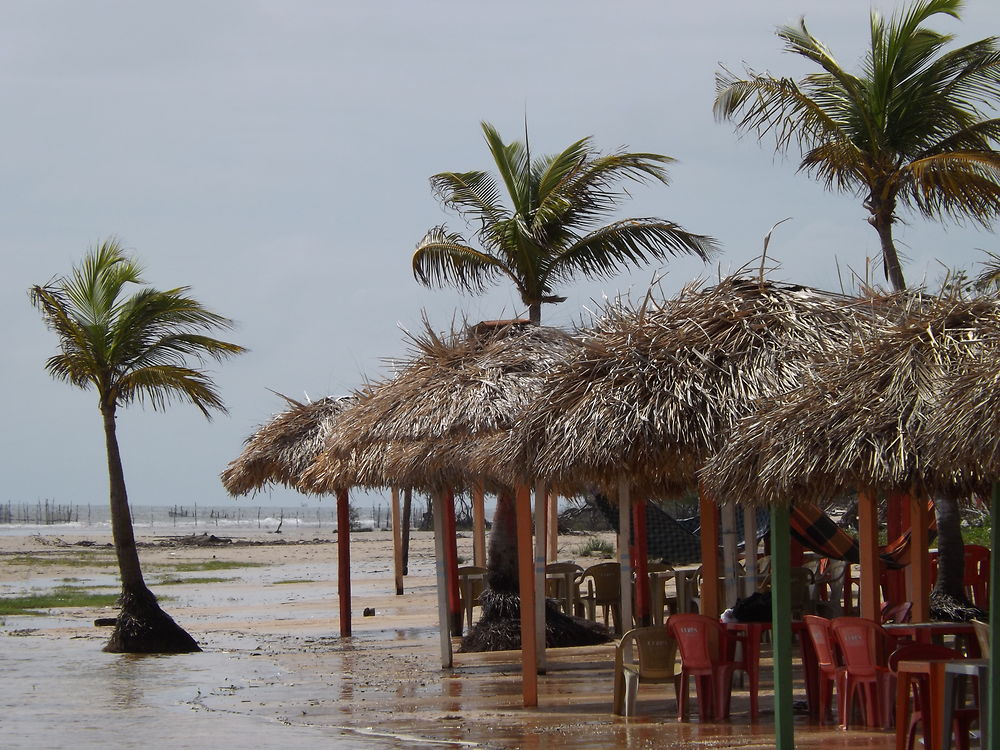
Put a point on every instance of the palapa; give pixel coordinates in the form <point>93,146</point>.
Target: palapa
<point>280,451</point>
<point>654,388</point>
<point>861,418</point>
<point>417,428</point>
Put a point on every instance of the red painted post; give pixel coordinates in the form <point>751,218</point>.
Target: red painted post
<point>344,562</point>
<point>639,550</point>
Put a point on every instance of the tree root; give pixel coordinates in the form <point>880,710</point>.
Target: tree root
<point>143,628</point>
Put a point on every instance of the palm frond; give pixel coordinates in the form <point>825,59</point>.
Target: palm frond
<point>443,258</point>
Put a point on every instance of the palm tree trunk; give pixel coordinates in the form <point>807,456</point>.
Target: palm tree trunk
<point>141,626</point>
<point>535,313</point>
<point>881,219</point>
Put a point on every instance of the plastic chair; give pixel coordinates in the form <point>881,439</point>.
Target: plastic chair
<point>982,631</point>
<point>656,654</point>
<point>977,575</point>
<point>831,672</point>
<point>702,644</point>
<point>559,588</point>
<point>800,581</point>
<point>863,645</point>
<point>603,590</point>
<point>471,582</point>
<point>961,718</point>
<point>897,613</point>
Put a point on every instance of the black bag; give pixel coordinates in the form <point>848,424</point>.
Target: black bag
<point>755,608</point>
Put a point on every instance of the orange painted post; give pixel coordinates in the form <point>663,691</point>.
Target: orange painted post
<point>640,563</point>
<point>919,569</point>
<point>526,582</point>
<point>870,597</point>
<point>397,543</point>
<point>709,512</point>
<point>539,575</point>
<point>344,562</point>
<point>479,526</point>
<point>451,560</point>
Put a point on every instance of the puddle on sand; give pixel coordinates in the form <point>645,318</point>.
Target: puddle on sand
<point>67,693</point>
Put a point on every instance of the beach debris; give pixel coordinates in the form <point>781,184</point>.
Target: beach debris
<point>369,612</point>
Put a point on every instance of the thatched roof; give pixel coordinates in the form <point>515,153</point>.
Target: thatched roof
<point>654,388</point>
<point>281,450</point>
<point>415,428</point>
<point>861,419</point>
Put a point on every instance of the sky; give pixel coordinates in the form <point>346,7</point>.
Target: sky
<point>274,155</point>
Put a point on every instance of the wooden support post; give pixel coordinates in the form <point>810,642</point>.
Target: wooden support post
<point>870,597</point>
<point>919,569</point>
<point>539,575</point>
<point>526,581</point>
<point>750,550</point>
<point>397,543</point>
<point>993,720</point>
<point>640,563</point>
<point>451,560</point>
<point>552,527</point>
<point>624,554</point>
<point>407,507</point>
<point>479,526</point>
<point>730,550</point>
<point>781,632</point>
<point>709,513</point>
<point>344,561</point>
<point>441,568</point>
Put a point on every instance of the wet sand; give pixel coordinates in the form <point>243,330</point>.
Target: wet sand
<point>276,673</point>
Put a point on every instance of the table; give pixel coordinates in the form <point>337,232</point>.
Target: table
<point>751,638</point>
<point>566,589</point>
<point>927,632</point>
<point>979,668</point>
<point>935,671</point>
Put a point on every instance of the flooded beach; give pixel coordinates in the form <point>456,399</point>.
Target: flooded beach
<point>275,673</point>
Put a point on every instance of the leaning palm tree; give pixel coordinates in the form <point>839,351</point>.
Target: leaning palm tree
<point>909,129</point>
<point>131,349</point>
<point>552,230</point>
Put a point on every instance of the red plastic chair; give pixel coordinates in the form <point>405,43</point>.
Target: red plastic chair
<point>864,646</point>
<point>702,644</point>
<point>896,612</point>
<point>831,672</point>
<point>962,717</point>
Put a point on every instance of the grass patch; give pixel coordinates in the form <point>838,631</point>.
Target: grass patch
<point>293,580</point>
<point>977,535</point>
<point>64,596</point>
<point>197,567</point>
<point>76,560</point>
<point>596,547</point>
<point>181,581</point>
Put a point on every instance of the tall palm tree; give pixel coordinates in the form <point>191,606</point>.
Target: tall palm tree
<point>552,230</point>
<point>131,349</point>
<point>909,129</point>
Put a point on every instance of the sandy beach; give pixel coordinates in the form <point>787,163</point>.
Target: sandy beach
<point>276,673</point>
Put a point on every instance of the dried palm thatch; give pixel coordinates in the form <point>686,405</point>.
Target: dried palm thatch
<point>281,450</point>
<point>861,419</point>
<point>654,388</point>
<point>415,429</point>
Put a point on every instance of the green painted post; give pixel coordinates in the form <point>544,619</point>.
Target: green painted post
<point>993,721</point>
<point>781,629</point>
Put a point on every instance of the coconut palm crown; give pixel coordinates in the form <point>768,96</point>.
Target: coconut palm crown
<point>131,349</point>
<point>553,229</point>
<point>909,129</point>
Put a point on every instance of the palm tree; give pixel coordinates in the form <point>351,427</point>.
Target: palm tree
<point>553,228</point>
<point>131,349</point>
<point>909,129</point>
<point>551,231</point>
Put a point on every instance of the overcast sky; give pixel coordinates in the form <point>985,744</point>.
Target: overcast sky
<point>274,155</point>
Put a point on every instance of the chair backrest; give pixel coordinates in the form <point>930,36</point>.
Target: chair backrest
<point>898,613</point>
<point>656,651</point>
<point>822,639</point>
<point>982,630</point>
<point>700,639</point>
<point>862,643</point>
<point>977,574</point>
<point>606,578</point>
<point>477,581</point>
<point>917,651</point>
<point>563,567</point>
